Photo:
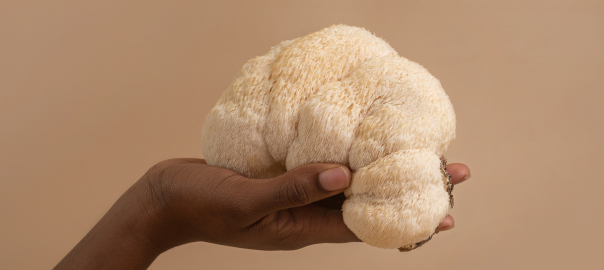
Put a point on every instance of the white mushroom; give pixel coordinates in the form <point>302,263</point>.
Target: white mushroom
<point>343,95</point>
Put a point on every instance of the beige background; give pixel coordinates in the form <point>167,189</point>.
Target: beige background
<point>93,94</point>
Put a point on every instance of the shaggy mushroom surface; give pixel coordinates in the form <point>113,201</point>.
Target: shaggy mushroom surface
<point>343,95</point>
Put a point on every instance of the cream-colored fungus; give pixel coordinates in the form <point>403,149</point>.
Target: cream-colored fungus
<point>343,95</point>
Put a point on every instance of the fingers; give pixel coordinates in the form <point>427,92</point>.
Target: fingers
<point>332,203</point>
<point>459,172</point>
<point>320,225</point>
<point>303,185</point>
<point>447,224</point>
<point>333,229</point>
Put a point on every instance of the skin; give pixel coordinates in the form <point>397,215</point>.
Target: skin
<point>180,201</point>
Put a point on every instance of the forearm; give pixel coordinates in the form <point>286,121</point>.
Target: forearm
<point>120,240</point>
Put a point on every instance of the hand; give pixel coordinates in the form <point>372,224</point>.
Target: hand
<point>185,200</point>
<point>199,202</point>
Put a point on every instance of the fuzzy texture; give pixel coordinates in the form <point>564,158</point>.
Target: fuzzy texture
<point>342,95</point>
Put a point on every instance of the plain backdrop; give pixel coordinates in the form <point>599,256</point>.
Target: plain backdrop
<point>93,93</point>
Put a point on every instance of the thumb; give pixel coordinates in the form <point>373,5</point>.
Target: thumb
<point>306,184</point>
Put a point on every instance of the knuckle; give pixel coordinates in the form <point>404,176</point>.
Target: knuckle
<point>297,191</point>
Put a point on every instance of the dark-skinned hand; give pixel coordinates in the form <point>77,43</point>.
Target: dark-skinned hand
<point>179,201</point>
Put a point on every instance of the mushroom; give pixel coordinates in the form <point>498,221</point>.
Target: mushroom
<point>343,95</point>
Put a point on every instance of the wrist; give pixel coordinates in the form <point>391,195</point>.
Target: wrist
<point>122,239</point>
<point>144,220</point>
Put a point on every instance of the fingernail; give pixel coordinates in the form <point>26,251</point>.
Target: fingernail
<point>466,177</point>
<point>335,179</point>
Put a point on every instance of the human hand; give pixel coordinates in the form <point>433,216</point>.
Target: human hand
<point>185,200</point>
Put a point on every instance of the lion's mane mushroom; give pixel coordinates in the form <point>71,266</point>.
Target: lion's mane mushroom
<point>343,95</point>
